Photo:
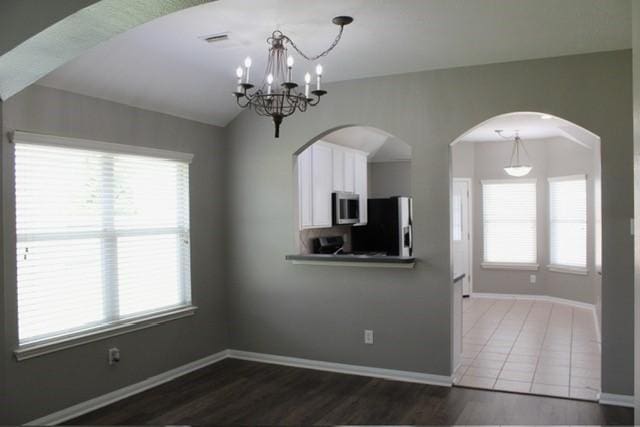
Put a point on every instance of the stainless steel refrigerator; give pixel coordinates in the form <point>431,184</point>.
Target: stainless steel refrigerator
<point>389,227</point>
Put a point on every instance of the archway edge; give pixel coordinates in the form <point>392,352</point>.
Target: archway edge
<point>514,113</point>
<point>337,128</point>
<point>70,37</point>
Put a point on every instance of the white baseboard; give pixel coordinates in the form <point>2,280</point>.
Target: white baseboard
<point>116,395</point>
<point>617,400</point>
<point>390,374</point>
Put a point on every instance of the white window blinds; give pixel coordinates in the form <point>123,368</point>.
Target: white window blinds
<point>568,221</point>
<point>102,237</point>
<point>509,221</point>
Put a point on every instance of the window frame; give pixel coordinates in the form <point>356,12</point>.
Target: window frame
<point>113,328</point>
<point>561,268</point>
<point>506,265</point>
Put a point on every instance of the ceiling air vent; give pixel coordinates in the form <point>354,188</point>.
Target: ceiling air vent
<point>214,38</point>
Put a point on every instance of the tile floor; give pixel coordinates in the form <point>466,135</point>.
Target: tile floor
<point>529,346</point>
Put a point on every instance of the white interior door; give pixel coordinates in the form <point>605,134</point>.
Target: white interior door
<point>461,232</point>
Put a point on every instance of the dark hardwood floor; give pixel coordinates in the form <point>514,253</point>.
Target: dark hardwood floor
<point>241,392</point>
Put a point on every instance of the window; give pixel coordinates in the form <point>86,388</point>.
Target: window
<point>509,220</point>
<point>568,222</point>
<point>102,235</point>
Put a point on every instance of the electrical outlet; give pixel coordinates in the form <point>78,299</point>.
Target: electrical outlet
<point>532,279</point>
<point>368,336</point>
<point>114,355</point>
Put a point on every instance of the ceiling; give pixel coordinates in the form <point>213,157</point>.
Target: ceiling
<point>164,65</point>
<point>379,145</point>
<point>531,127</point>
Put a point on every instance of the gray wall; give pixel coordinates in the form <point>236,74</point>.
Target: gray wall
<point>463,160</point>
<point>45,384</point>
<point>320,312</point>
<point>549,158</point>
<point>636,157</point>
<point>388,179</point>
<point>4,408</point>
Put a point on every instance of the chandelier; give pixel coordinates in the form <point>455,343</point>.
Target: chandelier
<point>516,167</point>
<point>278,95</point>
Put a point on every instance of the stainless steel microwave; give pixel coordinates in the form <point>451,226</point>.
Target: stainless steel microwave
<point>345,207</point>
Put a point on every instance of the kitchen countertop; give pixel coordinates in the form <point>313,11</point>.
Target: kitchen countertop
<point>354,260</point>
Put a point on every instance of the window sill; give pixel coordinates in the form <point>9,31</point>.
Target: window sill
<point>569,270</point>
<point>41,348</point>
<point>509,266</point>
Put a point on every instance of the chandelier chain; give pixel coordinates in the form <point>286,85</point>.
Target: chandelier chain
<point>320,55</point>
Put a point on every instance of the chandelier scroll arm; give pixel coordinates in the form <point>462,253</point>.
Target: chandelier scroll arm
<point>245,105</point>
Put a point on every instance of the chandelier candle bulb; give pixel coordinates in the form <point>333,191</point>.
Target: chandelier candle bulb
<point>319,74</point>
<point>290,68</point>
<point>269,82</point>
<point>307,80</point>
<point>247,66</point>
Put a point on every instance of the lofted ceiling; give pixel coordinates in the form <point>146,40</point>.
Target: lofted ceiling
<point>379,145</point>
<point>165,66</point>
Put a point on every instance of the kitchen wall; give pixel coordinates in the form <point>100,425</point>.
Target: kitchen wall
<point>42,385</point>
<point>549,158</point>
<point>319,312</point>
<point>388,179</point>
<point>463,162</point>
<point>635,7</point>
<point>4,407</point>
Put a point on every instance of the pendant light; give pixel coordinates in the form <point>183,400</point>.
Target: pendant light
<point>517,168</point>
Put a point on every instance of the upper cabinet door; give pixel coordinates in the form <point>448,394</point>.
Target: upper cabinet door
<point>322,160</point>
<point>338,169</point>
<point>349,171</point>
<point>305,189</point>
<point>361,184</point>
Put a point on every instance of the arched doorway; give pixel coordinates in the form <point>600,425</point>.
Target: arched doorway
<point>526,241</point>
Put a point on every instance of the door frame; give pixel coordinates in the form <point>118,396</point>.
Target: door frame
<point>469,182</point>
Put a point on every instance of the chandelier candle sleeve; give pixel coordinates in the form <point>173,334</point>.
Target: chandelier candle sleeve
<point>239,75</point>
<point>319,74</point>
<point>269,82</point>
<point>307,80</point>
<point>247,66</point>
<point>289,68</point>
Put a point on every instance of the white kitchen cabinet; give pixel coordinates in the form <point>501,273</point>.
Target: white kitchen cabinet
<point>360,184</point>
<point>322,169</point>
<point>349,171</point>
<point>305,189</point>
<point>338,168</point>
<point>322,160</point>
